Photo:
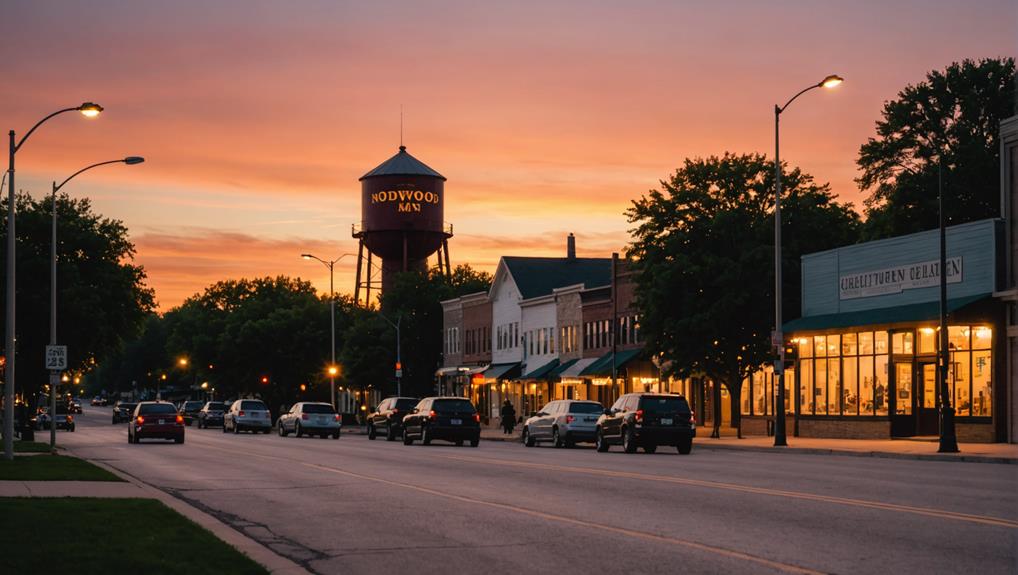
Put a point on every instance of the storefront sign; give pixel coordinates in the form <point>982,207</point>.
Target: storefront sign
<point>896,279</point>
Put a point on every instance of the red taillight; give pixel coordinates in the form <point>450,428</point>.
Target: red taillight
<point>569,418</point>
<point>692,419</point>
<point>304,416</point>
<point>180,419</point>
<point>240,413</point>
<point>432,415</point>
<point>70,418</point>
<point>335,417</point>
<point>639,415</point>
<point>477,417</point>
<point>140,420</point>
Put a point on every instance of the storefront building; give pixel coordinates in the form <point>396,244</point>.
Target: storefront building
<point>865,347</point>
<point>1009,197</point>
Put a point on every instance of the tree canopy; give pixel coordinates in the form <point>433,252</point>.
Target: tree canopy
<point>102,298</point>
<point>703,250</point>
<point>953,115</point>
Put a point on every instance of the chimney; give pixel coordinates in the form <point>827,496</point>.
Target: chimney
<point>571,246</point>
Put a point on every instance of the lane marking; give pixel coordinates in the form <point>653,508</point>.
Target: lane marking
<point>788,568</point>
<point>942,514</point>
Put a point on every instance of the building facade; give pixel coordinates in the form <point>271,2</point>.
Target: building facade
<point>1009,208</point>
<point>865,347</point>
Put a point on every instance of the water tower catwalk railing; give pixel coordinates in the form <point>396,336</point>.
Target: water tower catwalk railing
<point>369,275</point>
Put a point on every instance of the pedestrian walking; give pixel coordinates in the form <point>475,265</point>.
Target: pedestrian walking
<point>508,417</point>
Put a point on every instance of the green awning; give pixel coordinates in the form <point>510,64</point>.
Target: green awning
<point>499,371</point>
<point>603,366</point>
<point>562,367</point>
<point>543,371</point>
<point>926,311</point>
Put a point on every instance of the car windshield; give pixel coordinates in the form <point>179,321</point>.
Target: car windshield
<point>157,408</point>
<point>192,405</point>
<point>452,406</point>
<point>253,405</point>
<point>318,408</point>
<point>663,404</point>
<point>578,407</point>
<point>61,409</point>
<point>405,403</point>
<point>215,406</point>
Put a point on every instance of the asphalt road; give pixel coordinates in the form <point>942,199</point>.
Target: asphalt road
<point>356,506</point>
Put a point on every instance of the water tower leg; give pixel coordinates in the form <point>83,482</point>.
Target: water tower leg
<point>441,264</point>
<point>445,252</point>
<point>367,285</point>
<point>357,281</point>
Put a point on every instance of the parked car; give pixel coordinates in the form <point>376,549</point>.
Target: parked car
<point>311,419</point>
<point>189,409</point>
<point>647,420</point>
<point>564,423</point>
<point>388,417</point>
<point>64,420</point>
<point>123,411</point>
<point>73,406</point>
<point>448,418</point>
<point>250,414</point>
<point>155,419</point>
<point>211,414</point>
<point>97,401</point>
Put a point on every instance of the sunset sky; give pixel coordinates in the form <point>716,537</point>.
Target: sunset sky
<point>547,117</point>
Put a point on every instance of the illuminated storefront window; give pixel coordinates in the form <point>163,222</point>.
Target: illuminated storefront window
<point>757,396</point>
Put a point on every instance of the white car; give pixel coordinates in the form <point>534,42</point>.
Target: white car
<point>563,422</point>
<point>247,414</point>
<point>308,418</point>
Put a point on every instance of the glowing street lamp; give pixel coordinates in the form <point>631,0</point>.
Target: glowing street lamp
<point>331,264</point>
<point>778,338</point>
<point>89,110</point>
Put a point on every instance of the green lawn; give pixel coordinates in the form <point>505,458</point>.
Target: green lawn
<point>105,536</point>
<point>30,447</point>
<point>52,468</point>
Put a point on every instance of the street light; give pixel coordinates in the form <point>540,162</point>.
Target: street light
<point>399,361</point>
<point>130,161</point>
<point>331,264</point>
<point>778,338</point>
<point>89,110</point>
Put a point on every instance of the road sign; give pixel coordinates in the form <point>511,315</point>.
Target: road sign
<point>399,373</point>
<point>54,379</point>
<point>56,357</point>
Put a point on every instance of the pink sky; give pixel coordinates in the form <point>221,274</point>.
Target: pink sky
<point>257,118</point>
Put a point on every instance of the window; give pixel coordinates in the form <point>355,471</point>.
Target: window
<point>820,389</point>
<point>901,343</point>
<point>806,385</point>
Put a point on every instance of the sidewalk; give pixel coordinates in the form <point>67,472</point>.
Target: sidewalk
<point>923,449</point>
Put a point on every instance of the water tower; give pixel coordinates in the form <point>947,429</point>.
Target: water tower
<point>402,222</point>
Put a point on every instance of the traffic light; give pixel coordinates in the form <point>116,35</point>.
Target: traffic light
<point>265,380</point>
<point>303,387</point>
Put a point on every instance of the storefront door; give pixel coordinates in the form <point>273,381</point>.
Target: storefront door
<point>903,421</point>
<point>926,399</point>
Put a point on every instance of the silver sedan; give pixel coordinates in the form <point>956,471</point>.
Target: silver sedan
<point>308,418</point>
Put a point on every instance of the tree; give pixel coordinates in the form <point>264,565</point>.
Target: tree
<point>703,250</point>
<point>102,299</point>
<point>955,116</point>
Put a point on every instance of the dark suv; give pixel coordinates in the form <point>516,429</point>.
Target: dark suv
<point>647,420</point>
<point>189,410</point>
<point>388,417</point>
<point>123,411</point>
<point>211,414</point>
<point>449,418</point>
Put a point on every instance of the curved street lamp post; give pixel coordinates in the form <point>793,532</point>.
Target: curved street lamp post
<point>130,161</point>
<point>778,337</point>
<point>89,110</point>
<point>330,264</point>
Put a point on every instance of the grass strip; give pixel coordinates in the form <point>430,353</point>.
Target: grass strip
<point>30,447</point>
<point>102,536</point>
<point>52,468</point>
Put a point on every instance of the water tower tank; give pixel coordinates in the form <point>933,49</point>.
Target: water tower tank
<point>402,216</point>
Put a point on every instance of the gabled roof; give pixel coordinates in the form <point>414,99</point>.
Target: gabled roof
<point>403,164</point>
<point>536,277</point>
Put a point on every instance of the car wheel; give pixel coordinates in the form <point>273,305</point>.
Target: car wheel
<point>628,440</point>
<point>475,442</point>
<point>459,443</point>
<point>236,428</point>
<point>600,442</point>
<point>297,430</point>
<point>114,421</point>
<point>556,439</point>
<point>178,440</point>
<point>407,440</point>
<point>335,435</point>
<point>71,429</point>
<point>528,439</point>
<point>425,436</point>
<point>129,439</point>
<point>649,448</point>
<point>224,427</point>
<point>371,432</point>
<point>281,429</point>
<point>390,434</point>
<point>685,446</point>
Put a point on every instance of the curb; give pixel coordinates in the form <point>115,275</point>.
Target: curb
<point>273,562</point>
<point>850,453</point>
